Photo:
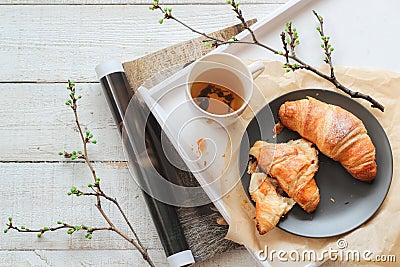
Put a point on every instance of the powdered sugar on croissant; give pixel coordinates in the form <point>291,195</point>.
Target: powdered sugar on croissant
<point>270,206</point>
<point>336,132</point>
<point>293,165</point>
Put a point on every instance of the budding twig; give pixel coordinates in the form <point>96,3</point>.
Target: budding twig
<point>97,191</point>
<point>289,40</point>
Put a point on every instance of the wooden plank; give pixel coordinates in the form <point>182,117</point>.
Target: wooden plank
<point>43,201</point>
<point>35,195</point>
<point>131,2</point>
<point>53,43</point>
<point>238,257</point>
<point>36,127</point>
<point>39,258</point>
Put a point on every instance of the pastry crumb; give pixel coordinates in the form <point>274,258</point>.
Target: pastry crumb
<point>201,145</point>
<point>278,128</point>
<point>221,221</point>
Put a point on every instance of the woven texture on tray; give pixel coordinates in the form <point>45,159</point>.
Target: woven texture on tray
<point>141,69</point>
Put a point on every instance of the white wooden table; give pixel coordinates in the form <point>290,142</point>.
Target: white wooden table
<point>44,43</point>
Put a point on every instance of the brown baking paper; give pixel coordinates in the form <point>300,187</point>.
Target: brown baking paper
<point>381,233</point>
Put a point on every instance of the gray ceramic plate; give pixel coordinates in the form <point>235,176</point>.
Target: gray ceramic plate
<point>346,203</point>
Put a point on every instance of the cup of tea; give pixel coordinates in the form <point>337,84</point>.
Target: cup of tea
<point>219,86</point>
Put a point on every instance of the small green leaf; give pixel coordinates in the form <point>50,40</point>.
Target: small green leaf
<point>60,153</point>
<point>319,28</point>
<point>169,10</point>
<point>228,2</point>
<point>59,222</point>
<point>87,132</point>
<point>161,21</point>
<point>94,142</point>
<point>90,229</point>
<point>77,227</point>
<point>79,96</point>
<point>151,7</point>
<point>74,152</point>
<point>39,235</point>
<point>73,157</point>
<point>90,135</point>
<point>90,236</point>
<point>287,70</point>
<point>207,44</point>
<point>332,49</point>
<point>10,219</point>
<point>22,227</point>
<point>90,185</point>
<point>46,228</point>
<point>80,152</point>
<point>280,53</point>
<point>70,231</point>
<point>322,45</point>
<point>5,231</point>
<point>69,193</point>
<point>73,189</point>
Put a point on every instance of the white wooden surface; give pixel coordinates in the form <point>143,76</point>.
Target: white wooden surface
<point>44,43</point>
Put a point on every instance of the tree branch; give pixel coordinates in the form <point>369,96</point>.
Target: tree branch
<point>289,40</point>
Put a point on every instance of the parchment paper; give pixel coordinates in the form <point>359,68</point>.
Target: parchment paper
<point>381,233</point>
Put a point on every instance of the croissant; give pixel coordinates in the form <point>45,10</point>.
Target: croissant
<point>336,132</point>
<point>269,205</point>
<point>294,165</point>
